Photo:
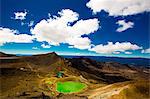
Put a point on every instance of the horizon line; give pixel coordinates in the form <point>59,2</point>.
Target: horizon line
<point>76,55</point>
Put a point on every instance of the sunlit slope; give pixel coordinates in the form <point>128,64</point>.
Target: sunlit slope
<point>135,90</point>
<point>124,90</point>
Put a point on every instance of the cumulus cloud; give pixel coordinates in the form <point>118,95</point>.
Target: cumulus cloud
<point>8,35</point>
<point>128,52</point>
<point>114,48</point>
<point>119,7</point>
<point>116,52</point>
<point>70,46</point>
<point>29,24</point>
<point>124,25</point>
<point>146,51</point>
<point>58,29</point>
<point>20,15</point>
<point>45,46</point>
<point>35,48</point>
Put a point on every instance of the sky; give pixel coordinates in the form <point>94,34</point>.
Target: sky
<point>117,28</point>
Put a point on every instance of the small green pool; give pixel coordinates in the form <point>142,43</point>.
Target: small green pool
<point>70,87</point>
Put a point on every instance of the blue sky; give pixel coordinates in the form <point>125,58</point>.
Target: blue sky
<point>75,27</point>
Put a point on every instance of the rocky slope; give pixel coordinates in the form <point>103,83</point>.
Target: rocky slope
<point>109,72</point>
<point>21,76</point>
<point>6,55</point>
<point>41,62</point>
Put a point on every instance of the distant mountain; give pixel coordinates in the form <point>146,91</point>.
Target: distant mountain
<point>6,55</point>
<point>130,61</point>
<point>109,71</point>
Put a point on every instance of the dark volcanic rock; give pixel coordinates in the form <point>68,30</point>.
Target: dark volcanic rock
<point>109,72</point>
<point>6,55</point>
<point>42,62</point>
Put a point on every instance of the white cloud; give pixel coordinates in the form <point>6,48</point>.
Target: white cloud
<point>22,23</point>
<point>20,15</point>
<point>7,35</point>
<point>57,30</point>
<point>31,23</point>
<point>70,47</point>
<point>146,51</point>
<point>49,15</point>
<point>124,25</point>
<point>128,52</point>
<point>35,48</point>
<point>116,52</point>
<point>45,46</point>
<point>113,48</point>
<point>119,7</point>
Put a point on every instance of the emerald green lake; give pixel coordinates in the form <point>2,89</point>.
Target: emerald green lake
<point>70,86</point>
